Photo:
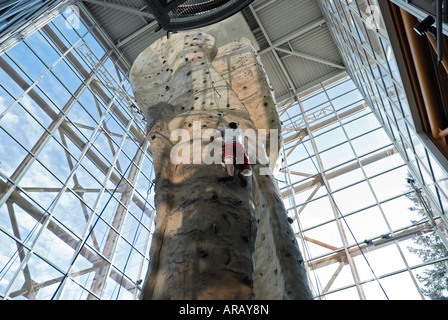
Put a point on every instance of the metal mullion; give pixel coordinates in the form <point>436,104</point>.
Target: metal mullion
<point>99,151</point>
<point>61,56</point>
<point>419,164</point>
<point>126,156</point>
<point>20,10</point>
<point>343,188</point>
<point>119,235</point>
<point>26,109</point>
<point>371,177</point>
<point>45,131</point>
<point>358,182</point>
<point>106,69</point>
<point>82,285</point>
<point>23,244</point>
<point>74,49</point>
<point>380,37</point>
<point>127,111</point>
<point>60,120</point>
<point>357,118</point>
<point>134,215</point>
<point>341,143</point>
<point>117,120</point>
<point>43,258</point>
<point>139,167</point>
<point>52,24</point>
<point>143,196</point>
<point>13,237</point>
<point>305,249</point>
<point>428,171</point>
<point>341,110</point>
<point>396,272</point>
<point>103,34</point>
<point>123,178</point>
<point>366,179</point>
<point>359,210</point>
<point>107,112</point>
<point>89,31</point>
<point>88,171</point>
<point>302,159</point>
<point>151,162</point>
<point>48,136</point>
<point>86,139</point>
<point>393,104</point>
<point>50,99</point>
<point>94,212</point>
<point>108,133</point>
<point>30,87</point>
<point>348,141</point>
<point>335,211</point>
<point>420,223</point>
<point>434,179</point>
<point>50,215</point>
<point>383,87</point>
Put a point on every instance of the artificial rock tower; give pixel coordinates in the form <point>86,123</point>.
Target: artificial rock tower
<point>213,240</point>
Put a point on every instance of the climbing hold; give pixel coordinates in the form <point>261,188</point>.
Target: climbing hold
<point>248,281</point>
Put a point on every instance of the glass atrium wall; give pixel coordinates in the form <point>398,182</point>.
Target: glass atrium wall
<point>76,211</point>
<point>351,204</point>
<point>359,29</point>
<point>360,219</point>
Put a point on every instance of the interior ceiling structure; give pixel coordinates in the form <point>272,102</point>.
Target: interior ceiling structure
<point>291,36</point>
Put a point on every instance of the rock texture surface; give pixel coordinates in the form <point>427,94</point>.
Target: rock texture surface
<point>213,240</point>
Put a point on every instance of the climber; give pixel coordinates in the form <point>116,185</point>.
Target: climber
<point>235,153</point>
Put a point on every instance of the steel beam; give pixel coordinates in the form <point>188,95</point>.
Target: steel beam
<point>120,7</point>
<point>311,57</point>
<point>301,31</point>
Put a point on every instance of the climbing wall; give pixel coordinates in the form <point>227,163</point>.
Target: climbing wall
<point>213,240</point>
